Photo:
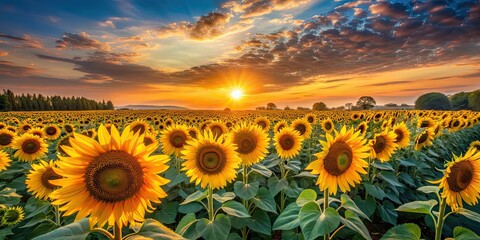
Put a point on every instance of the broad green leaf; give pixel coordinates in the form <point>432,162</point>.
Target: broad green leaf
<point>390,178</point>
<point>424,207</point>
<point>349,204</point>
<point>5,232</point>
<point>314,223</point>
<point>264,200</point>
<point>408,231</point>
<point>246,191</point>
<point>73,231</point>
<point>9,197</point>
<point>288,218</point>
<point>192,207</point>
<point>260,222</point>
<point>275,185</point>
<point>306,174</point>
<point>217,229</point>
<point>461,233</point>
<point>196,196</point>
<point>262,170</point>
<point>308,195</point>
<point>382,166</point>
<point>235,209</point>
<point>375,191</point>
<point>167,213</point>
<point>224,197</point>
<point>387,212</point>
<point>39,218</point>
<point>153,229</point>
<point>367,206</point>
<point>429,189</point>
<point>186,227</point>
<point>353,222</point>
<point>469,214</point>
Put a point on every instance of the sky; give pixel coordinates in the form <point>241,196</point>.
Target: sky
<point>195,53</point>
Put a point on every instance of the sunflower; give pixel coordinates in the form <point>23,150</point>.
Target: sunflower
<point>461,180</point>
<point>139,126</point>
<point>279,126</point>
<point>218,128</point>
<point>149,139</point>
<point>341,161</point>
<point>114,180</point>
<point>6,138</point>
<point>362,128</point>
<point>263,122</point>
<point>288,142</point>
<point>4,160</point>
<point>37,132</point>
<point>64,141</point>
<point>303,127</point>
<point>193,132</point>
<point>252,143</point>
<point>69,128</point>
<point>327,125</point>
<point>38,180</point>
<point>173,139</point>
<point>383,145</point>
<point>311,118</point>
<point>211,160</point>
<point>403,135</point>
<point>424,139</point>
<point>52,132</point>
<point>29,147</point>
<point>91,133</point>
<point>475,145</point>
<point>12,216</point>
<point>437,129</point>
<point>24,127</point>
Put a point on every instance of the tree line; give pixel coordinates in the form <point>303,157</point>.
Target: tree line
<point>37,102</point>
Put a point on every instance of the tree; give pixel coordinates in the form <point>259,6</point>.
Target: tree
<point>474,100</point>
<point>433,101</point>
<point>366,102</point>
<point>348,106</point>
<point>260,108</point>
<point>4,103</point>
<point>271,106</point>
<point>227,109</point>
<point>319,106</point>
<point>110,105</point>
<point>391,105</point>
<point>287,108</point>
<point>459,101</point>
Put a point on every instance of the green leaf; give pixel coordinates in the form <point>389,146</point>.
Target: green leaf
<point>382,166</point>
<point>407,231</point>
<point>429,189</point>
<point>387,212</point>
<point>9,197</point>
<point>461,233</point>
<point>469,214</point>
<point>41,229</point>
<point>264,200</point>
<point>246,191</point>
<point>235,209</point>
<point>154,230</point>
<point>262,170</point>
<point>349,204</point>
<point>306,174</point>
<point>390,178</point>
<point>217,229</point>
<point>260,222</point>
<point>186,227</point>
<point>314,223</point>
<point>224,197</point>
<point>308,195</point>
<point>276,185</point>
<point>288,218</point>
<point>73,231</point>
<point>375,191</point>
<point>367,206</point>
<point>424,207</point>
<point>5,232</point>
<point>167,213</point>
<point>39,218</point>
<point>353,222</point>
<point>192,207</point>
<point>194,197</point>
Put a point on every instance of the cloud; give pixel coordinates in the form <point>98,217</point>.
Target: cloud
<point>256,8</point>
<point>107,23</point>
<point>96,79</point>
<point>3,54</point>
<point>26,41</point>
<point>53,19</point>
<point>387,9</point>
<point>8,68</point>
<point>387,83</point>
<point>80,41</point>
<point>209,26</point>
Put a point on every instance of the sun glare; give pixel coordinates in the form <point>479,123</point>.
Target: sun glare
<point>236,94</point>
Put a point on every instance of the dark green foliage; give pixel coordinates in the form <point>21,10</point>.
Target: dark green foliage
<point>366,102</point>
<point>474,100</point>
<point>433,101</point>
<point>318,106</point>
<point>459,101</point>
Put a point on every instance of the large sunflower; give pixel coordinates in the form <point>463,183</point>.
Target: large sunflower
<point>341,161</point>
<point>288,142</point>
<point>263,122</point>
<point>279,126</point>
<point>6,138</point>
<point>218,128</point>
<point>252,143</point>
<point>403,135</point>
<point>461,180</point>
<point>114,180</point>
<point>303,127</point>
<point>173,139</point>
<point>424,139</point>
<point>139,126</point>
<point>38,180</point>
<point>383,145</point>
<point>52,132</point>
<point>4,160</point>
<point>211,160</point>
<point>29,147</point>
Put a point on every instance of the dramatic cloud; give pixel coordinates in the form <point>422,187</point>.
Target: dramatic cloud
<point>3,54</point>
<point>80,41</point>
<point>255,8</point>
<point>210,26</point>
<point>11,69</point>
<point>26,41</point>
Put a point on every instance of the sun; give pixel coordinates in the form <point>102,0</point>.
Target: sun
<point>236,94</point>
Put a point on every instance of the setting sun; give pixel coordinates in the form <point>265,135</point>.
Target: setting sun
<point>236,94</point>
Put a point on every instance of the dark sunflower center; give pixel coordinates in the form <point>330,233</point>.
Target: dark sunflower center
<point>286,142</point>
<point>461,174</point>
<point>246,143</point>
<point>338,159</point>
<point>31,146</point>
<point>216,130</point>
<point>49,175</point>
<point>147,141</point>
<point>211,160</point>
<point>361,128</point>
<point>400,135</point>
<point>68,128</point>
<point>38,134</point>
<point>26,127</point>
<point>301,128</point>
<point>456,123</point>
<point>280,127</point>
<point>51,131</point>
<point>328,126</point>
<point>5,139</point>
<point>138,127</point>
<point>380,144</point>
<point>11,216</point>
<point>178,139</point>
<point>423,138</point>
<point>477,146</point>
<point>310,119</point>
<point>114,176</point>
<point>192,134</point>
<point>424,124</point>
<point>262,124</point>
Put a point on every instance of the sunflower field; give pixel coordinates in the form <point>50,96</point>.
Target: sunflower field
<point>240,175</point>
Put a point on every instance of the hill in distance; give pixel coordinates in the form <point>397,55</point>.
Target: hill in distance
<point>150,107</point>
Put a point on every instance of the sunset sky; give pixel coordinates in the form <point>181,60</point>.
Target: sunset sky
<point>195,53</point>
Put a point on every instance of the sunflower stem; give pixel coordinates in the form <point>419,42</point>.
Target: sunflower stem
<point>438,229</point>
<point>211,214</point>
<point>325,206</point>
<point>245,176</point>
<point>283,175</point>
<point>57,216</point>
<point>104,232</point>
<point>117,231</point>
